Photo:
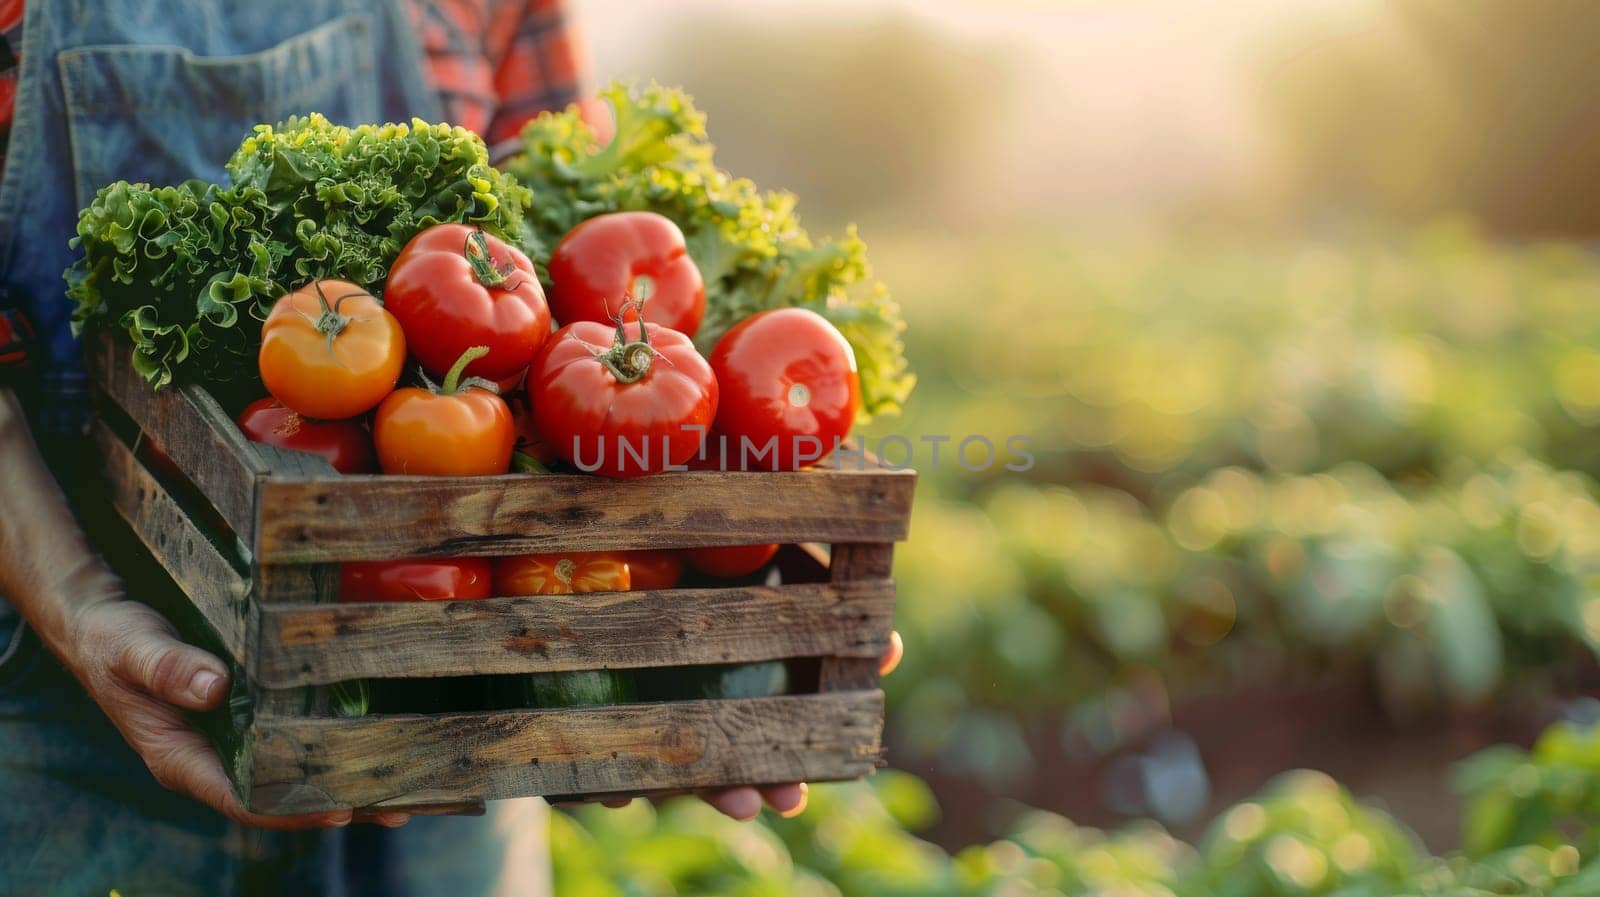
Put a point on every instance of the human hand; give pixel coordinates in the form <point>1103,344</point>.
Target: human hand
<point>132,663</point>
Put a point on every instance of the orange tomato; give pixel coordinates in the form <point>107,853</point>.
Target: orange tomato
<point>654,569</point>
<point>330,351</point>
<point>562,574</point>
<point>459,429</point>
<point>731,560</point>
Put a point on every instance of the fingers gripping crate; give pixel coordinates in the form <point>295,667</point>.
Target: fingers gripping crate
<point>267,592</point>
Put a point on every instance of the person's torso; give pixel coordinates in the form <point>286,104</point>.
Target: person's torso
<point>162,91</point>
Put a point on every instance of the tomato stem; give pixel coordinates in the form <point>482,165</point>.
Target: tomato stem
<point>331,322</point>
<point>452,378</point>
<point>482,261</point>
<point>565,568</point>
<point>628,360</point>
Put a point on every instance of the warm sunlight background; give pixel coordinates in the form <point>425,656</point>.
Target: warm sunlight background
<point>1293,299</point>
<point>1066,111</point>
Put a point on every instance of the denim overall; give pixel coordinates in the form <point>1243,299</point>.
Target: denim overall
<point>160,91</point>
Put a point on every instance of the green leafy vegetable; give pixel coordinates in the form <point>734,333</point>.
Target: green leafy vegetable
<point>748,244</point>
<point>190,270</point>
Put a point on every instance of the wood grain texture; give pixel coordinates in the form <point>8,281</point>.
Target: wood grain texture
<point>276,584</point>
<point>296,583</point>
<point>854,563</point>
<point>190,427</point>
<point>215,588</point>
<point>311,644</point>
<point>284,462</point>
<point>383,517</point>
<point>312,765</point>
<point>431,803</point>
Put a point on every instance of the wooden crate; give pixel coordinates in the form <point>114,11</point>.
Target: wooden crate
<point>266,588</point>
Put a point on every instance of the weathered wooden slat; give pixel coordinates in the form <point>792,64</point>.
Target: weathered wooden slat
<point>283,462</point>
<point>309,644</point>
<point>276,585</point>
<point>218,591</point>
<point>431,803</point>
<point>382,517</point>
<point>853,563</point>
<point>312,765</point>
<point>296,583</point>
<point>190,427</point>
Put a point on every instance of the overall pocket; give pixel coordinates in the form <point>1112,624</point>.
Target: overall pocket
<point>164,114</point>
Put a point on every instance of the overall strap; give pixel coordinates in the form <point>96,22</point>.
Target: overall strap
<point>163,90</point>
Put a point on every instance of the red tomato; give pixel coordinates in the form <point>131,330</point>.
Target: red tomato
<point>622,408</point>
<point>562,574</point>
<point>605,262</point>
<point>330,351</point>
<point>729,561</point>
<point>416,579</point>
<point>345,444</point>
<point>655,569</point>
<point>458,430</point>
<point>454,287</point>
<point>787,377</point>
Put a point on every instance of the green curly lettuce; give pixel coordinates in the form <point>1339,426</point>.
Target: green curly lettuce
<point>189,271</point>
<point>748,243</point>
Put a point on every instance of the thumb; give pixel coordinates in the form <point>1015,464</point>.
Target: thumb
<point>172,671</point>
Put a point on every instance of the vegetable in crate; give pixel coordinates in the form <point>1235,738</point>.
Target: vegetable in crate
<point>579,688</point>
<point>654,569</point>
<point>189,271</point>
<point>330,351</point>
<point>748,245</point>
<point>742,680</point>
<point>622,407</point>
<point>416,579</point>
<point>731,560</point>
<point>454,287</point>
<point>460,428</point>
<point>610,259</point>
<point>789,393</point>
<point>345,444</point>
<point>571,573</point>
<point>565,574</point>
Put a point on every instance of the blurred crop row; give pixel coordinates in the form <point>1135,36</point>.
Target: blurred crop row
<point>1254,462</point>
<point>1154,361</point>
<point>1533,819</point>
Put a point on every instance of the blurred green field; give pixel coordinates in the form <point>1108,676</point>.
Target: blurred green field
<point>1256,462</point>
<point>1322,500</point>
<point>1530,817</point>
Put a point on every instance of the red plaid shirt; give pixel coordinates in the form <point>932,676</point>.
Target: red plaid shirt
<point>496,63</point>
<point>499,63</point>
